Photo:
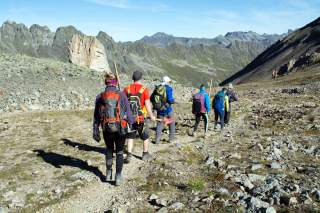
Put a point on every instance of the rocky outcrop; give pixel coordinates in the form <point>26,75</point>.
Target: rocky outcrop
<point>89,52</point>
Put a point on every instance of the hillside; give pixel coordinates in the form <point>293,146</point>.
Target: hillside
<point>188,60</point>
<point>296,51</point>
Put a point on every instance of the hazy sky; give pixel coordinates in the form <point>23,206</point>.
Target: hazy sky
<point>132,19</point>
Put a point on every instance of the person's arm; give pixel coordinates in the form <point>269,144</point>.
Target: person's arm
<point>235,97</point>
<point>149,109</point>
<point>96,120</point>
<point>125,106</point>
<point>170,98</point>
<point>226,102</point>
<point>148,104</point>
<point>207,102</point>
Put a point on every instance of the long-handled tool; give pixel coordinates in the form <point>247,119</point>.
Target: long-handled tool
<point>117,74</point>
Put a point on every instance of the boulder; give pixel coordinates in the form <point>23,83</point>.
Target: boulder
<point>88,52</point>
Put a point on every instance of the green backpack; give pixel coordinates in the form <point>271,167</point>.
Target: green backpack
<point>159,98</point>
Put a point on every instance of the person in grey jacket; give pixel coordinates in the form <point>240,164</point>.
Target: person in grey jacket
<point>232,97</point>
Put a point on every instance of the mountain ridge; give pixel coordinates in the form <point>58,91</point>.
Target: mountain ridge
<point>190,60</point>
<point>297,50</point>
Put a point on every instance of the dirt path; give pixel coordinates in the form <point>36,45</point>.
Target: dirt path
<point>101,197</point>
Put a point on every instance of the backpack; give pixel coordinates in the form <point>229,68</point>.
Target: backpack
<point>135,102</point>
<point>218,101</point>
<point>110,113</point>
<point>198,105</point>
<point>159,98</point>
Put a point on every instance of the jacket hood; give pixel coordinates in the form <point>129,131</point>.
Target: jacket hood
<point>202,89</point>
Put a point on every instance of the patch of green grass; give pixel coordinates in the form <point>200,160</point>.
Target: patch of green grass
<point>191,156</point>
<point>197,184</point>
<point>156,183</point>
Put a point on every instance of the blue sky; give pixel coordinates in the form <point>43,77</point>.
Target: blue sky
<point>126,20</point>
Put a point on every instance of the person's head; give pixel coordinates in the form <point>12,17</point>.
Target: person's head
<point>137,76</point>
<point>230,86</point>
<point>202,87</point>
<point>110,79</point>
<point>224,90</point>
<point>166,79</point>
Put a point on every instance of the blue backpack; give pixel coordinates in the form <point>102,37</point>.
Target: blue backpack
<point>218,101</point>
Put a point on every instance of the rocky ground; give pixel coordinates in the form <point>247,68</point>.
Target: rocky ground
<point>31,84</point>
<point>267,160</point>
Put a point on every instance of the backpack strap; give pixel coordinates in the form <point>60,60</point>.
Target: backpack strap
<point>142,89</point>
<point>128,90</point>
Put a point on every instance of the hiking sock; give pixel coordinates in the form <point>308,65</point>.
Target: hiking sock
<point>119,162</point>
<point>109,160</point>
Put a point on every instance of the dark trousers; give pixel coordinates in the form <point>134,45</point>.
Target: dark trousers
<point>227,117</point>
<point>114,140</point>
<point>219,114</point>
<point>205,119</point>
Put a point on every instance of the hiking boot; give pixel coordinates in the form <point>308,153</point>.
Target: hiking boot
<point>118,181</point>
<point>146,156</point>
<point>128,158</point>
<point>109,175</point>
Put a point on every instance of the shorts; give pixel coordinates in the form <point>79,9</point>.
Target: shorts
<point>142,129</point>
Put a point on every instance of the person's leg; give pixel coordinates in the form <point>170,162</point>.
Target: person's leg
<point>226,117</point>
<point>216,116</point>
<point>144,135</point>
<point>172,127</point>
<point>119,141</point>
<point>109,141</point>
<point>196,124</point>
<point>131,137</point>
<point>206,122</point>
<point>222,113</point>
<point>159,129</point>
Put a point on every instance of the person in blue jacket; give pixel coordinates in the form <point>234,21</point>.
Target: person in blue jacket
<point>167,114</point>
<point>203,98</point>
<point>220,105</point>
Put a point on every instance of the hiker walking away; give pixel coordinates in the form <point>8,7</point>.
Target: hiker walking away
<point>200,108</point>
<point>139,98</point>
<point>112,112</point>
<point>232,96</point>
<point>162,99</point>
<point>220,103</point>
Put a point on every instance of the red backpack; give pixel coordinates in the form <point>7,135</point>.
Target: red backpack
<point>110,112</point>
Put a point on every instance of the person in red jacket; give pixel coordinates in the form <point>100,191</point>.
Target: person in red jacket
<point>139,98</point>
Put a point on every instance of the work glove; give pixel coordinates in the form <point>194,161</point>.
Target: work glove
<point>96,137</point>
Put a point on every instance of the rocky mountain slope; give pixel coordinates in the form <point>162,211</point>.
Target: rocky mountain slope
<point>32,84</point>
<point>189,61</point>
<point>298,50</point>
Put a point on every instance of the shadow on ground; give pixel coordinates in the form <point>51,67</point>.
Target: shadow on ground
<point>58,160</point>
<point>83,147</point>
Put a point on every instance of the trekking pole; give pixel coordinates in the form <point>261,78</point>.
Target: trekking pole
<point>117,74</point>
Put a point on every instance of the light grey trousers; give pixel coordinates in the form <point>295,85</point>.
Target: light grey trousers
<point>172,127</point>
